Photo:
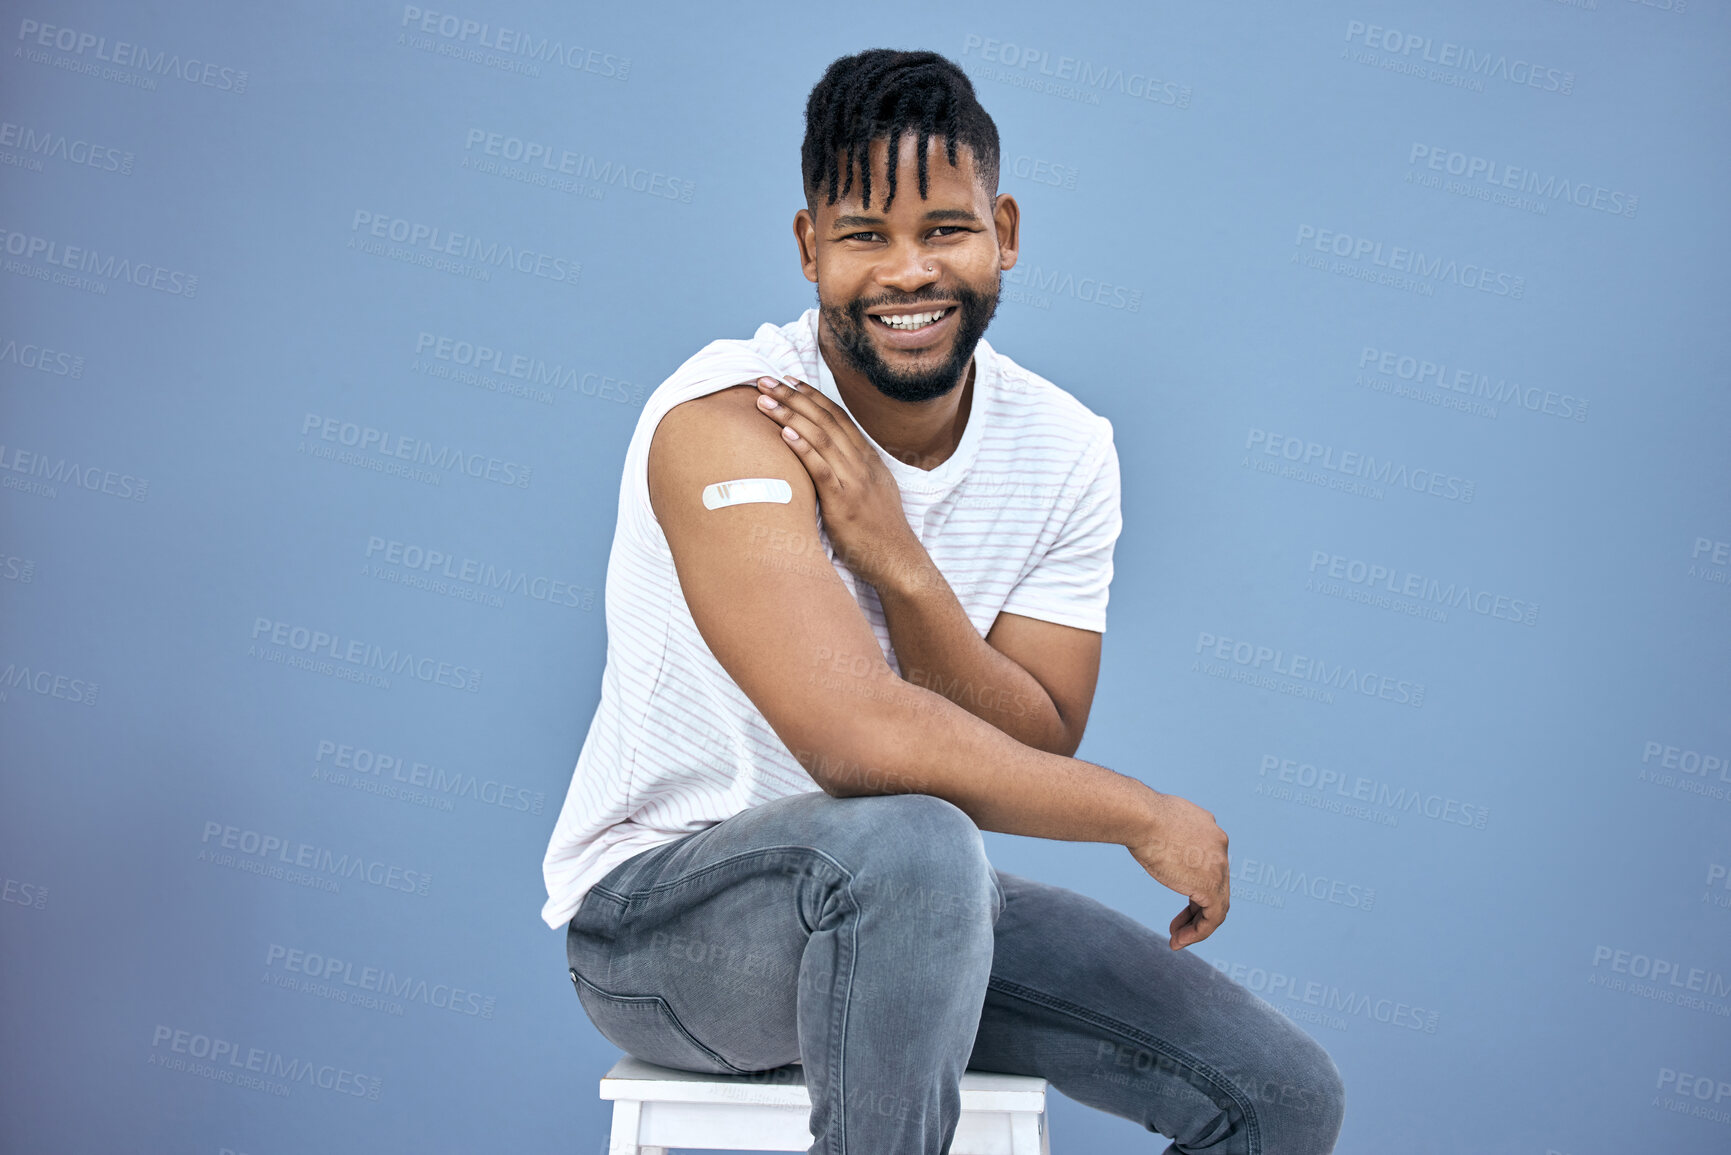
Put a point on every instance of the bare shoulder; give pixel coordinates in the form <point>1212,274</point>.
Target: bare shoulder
<point>767,609</point>
<point>720,436</point>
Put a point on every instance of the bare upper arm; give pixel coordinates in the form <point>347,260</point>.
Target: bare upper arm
<point>760,587</point>
<point>1063,659</point>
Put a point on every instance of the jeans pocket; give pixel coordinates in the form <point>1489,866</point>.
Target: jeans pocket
<point>645,1027</point>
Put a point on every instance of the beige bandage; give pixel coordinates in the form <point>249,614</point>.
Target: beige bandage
<point>746,489</point>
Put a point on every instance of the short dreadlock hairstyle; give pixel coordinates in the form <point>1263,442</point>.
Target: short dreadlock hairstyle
<point>881,93</point>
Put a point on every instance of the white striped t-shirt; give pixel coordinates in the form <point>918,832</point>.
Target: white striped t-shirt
<point>1022,517</point>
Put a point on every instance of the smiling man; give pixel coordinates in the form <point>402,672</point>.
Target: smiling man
<point>854,609</point>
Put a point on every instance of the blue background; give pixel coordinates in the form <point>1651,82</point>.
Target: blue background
<point>1503,909</point>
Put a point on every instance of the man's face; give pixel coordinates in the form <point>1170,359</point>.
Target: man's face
<point>882,275</point>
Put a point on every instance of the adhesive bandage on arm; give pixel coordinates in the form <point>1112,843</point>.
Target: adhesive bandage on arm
<point>747,489</point>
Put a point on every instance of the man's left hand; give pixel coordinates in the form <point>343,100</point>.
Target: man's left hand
<point>858,499</point>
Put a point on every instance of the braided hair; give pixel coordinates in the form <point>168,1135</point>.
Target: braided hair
<point>881,93</point>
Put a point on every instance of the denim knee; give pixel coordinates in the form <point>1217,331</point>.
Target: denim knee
<point>1302,1103</point>
<point>921,850</point>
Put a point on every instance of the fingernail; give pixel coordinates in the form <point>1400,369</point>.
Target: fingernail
<point>765,401</point>
<point>787,432</point>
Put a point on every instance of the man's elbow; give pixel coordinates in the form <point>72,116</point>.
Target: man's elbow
<point>1066,732</point>
<point>874,751</point>
<point>853,777</point>
<point>1066,745</point>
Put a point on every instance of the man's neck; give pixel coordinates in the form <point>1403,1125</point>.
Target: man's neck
<point>922,434</point>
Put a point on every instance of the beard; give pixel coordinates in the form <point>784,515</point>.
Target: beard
<point>847,323</point>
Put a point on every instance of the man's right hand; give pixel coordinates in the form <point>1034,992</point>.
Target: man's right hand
<point>1185,851</point>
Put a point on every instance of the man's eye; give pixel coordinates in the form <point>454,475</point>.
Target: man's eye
<point>949,229</point>
<point>858,236</point>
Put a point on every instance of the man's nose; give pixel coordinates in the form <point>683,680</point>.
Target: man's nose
<point>908,268</point>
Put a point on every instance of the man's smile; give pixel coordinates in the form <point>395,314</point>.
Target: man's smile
<point>913,328</point>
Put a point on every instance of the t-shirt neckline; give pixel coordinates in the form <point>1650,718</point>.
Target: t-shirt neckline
<point>945,476</point>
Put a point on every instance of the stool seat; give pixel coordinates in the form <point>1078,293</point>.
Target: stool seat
<point>657,1109</point>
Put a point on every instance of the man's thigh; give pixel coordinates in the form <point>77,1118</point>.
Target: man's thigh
<point>1101,1006</point>
<point>693,954</point>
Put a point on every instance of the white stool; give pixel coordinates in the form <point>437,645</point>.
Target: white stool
<point>656,1109</point>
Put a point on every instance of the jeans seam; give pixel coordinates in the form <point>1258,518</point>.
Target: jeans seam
<point>1253,1126</point>
<point>666,1010</point>
<point>839,1014</point>
<point>838,1028</point>
<point>742,856</point>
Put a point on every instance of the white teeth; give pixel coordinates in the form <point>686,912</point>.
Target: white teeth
<point>911,320</point>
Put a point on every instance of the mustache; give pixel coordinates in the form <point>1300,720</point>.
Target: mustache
<point>856,333</point>
<point>859,306</point>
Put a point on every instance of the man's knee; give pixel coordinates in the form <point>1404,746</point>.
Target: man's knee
<point>1303,1101</point>
<point>922,853</point>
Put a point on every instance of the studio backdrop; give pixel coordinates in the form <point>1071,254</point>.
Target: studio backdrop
<point>325,327</point>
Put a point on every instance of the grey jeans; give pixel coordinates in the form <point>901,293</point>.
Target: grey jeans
<point>870,940</point>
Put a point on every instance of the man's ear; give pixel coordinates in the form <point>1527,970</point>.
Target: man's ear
<point>1007,217</point>
<point>805,234</point>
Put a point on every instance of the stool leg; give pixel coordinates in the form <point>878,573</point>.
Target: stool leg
<point>1028,1134</point>
<point>623,1141</point>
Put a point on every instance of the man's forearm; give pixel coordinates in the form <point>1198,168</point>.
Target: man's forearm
<point>903,739</point>
<point>939,649</point>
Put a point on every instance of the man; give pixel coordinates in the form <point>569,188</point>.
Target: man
<point>854,607</point>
